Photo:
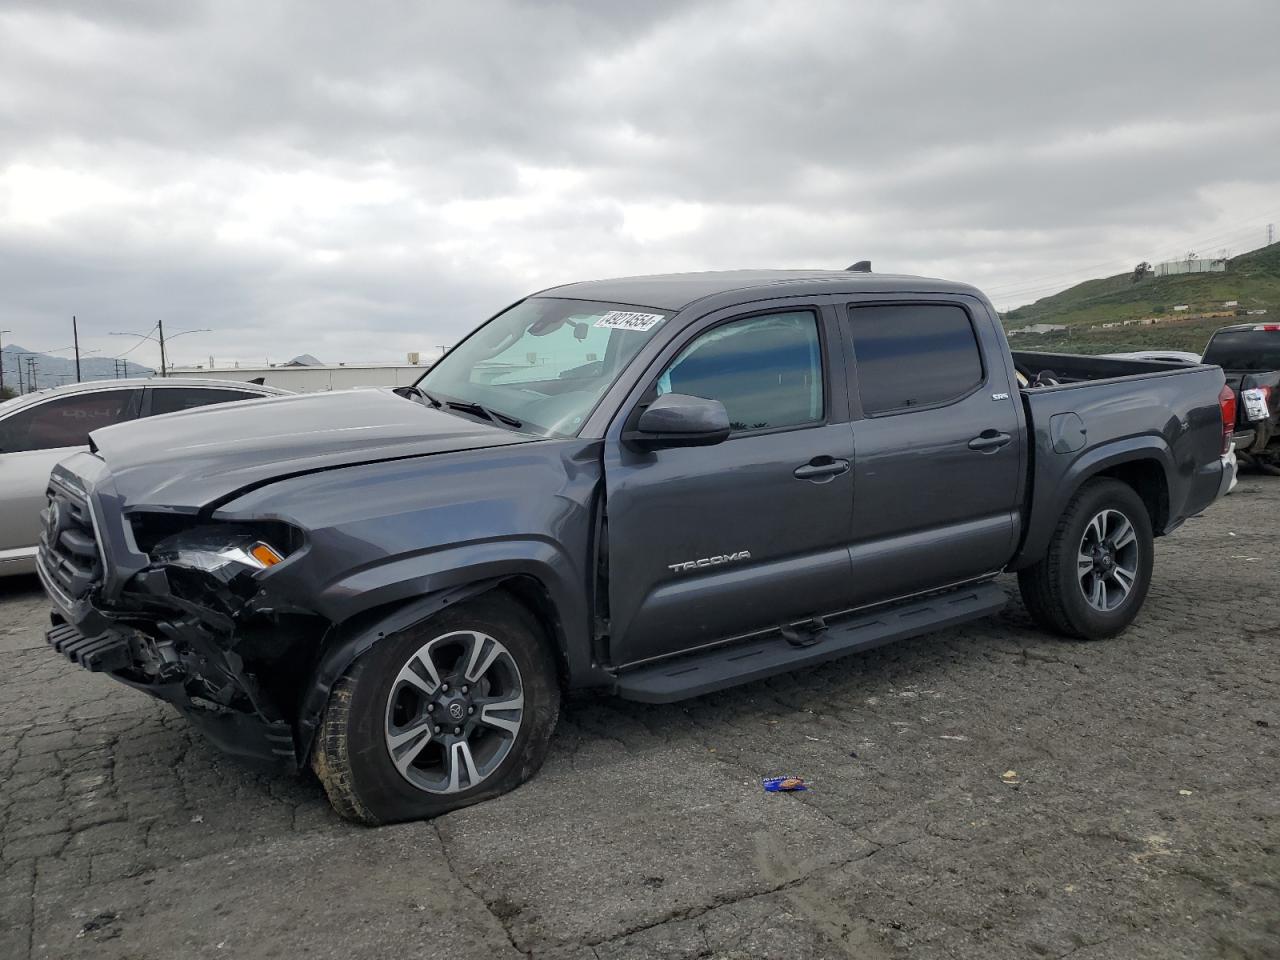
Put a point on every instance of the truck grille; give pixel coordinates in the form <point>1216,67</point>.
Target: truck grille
<point>69,555</point>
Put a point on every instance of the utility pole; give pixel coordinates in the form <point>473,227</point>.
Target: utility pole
<point>32,379</point>
<point>75,333</point>
<point>2,333</point>
<point>160,325</point>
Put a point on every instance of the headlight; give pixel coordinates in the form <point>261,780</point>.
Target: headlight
<point>223,548</point>
<point>256,556</point>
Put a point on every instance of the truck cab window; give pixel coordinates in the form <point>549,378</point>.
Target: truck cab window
<point>767,371</point>
<point>913,355</point>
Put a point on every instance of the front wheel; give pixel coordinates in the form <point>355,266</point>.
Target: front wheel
<point>455,710</point>
<point>1094,578</point>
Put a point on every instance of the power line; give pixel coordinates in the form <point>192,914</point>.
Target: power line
<point>144,339</point>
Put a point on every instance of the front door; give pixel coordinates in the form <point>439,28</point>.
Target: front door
<point>711,542</point>
<point>939,447</point>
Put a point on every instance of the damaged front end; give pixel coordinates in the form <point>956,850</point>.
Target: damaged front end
<point>180,607</point>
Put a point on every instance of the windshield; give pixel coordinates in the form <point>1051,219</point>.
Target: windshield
<point>1244,350</point>
<point>545,362</point>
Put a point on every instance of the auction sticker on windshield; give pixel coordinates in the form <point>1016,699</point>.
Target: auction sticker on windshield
<point>627,320</point>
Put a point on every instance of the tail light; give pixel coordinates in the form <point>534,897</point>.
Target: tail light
<point>1272,327</point>
<point>1227,404</point>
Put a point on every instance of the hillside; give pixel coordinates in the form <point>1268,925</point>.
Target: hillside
<point>53,371</point>
<point>1252,278</point>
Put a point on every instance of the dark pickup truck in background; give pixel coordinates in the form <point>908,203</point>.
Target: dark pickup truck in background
<point>1249,354</point>
<point>656,486</point>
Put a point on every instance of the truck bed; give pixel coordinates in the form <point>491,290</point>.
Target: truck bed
<point>1072,368</point>
<point>1104,409</point>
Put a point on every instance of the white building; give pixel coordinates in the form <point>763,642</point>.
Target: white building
<point>315,378</point>
<point>1039,328</point>
<point>1171,267</point>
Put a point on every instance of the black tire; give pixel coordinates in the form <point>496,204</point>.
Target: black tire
<point>352,757</point>
<point>1052,589</point>
<point>1270,469</point>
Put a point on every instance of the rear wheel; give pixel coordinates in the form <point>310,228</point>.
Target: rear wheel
<point>452,711</point>
<point>1097,571</point>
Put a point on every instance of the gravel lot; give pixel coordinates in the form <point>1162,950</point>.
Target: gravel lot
<point>1141,820</point>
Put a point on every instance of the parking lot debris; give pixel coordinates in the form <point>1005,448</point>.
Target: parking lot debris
<point>102,925</point>
<point>1010,777</point>
<point>784,785</point>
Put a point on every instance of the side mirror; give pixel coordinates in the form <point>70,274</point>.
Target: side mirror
<point>677,420</point>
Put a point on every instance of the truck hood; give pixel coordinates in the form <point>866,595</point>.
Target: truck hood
<point>189,460</point>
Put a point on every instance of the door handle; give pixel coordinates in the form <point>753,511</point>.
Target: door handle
<point>989,440</point>
<point>821,469</point>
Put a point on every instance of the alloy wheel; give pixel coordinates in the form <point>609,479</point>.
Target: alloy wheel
<point>454,712</point>
<point>1107,564</point>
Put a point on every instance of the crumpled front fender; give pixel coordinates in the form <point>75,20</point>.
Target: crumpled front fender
<point>351,639</point>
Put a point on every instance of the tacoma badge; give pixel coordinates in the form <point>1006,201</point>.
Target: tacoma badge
<point>715,561</point>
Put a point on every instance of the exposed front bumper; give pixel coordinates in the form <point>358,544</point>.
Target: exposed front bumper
<point>113,614</point>
<point>116,653</point>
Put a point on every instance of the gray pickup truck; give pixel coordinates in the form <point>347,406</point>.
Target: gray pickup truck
<point>656,486</point>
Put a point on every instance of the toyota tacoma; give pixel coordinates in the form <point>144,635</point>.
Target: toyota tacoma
<point>655,486</point>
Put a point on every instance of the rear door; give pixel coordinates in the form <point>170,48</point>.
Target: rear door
<point>938,439</point>
<point>710,542</point>
<point>33,439</point>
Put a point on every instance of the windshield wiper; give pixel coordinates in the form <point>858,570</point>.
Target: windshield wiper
<point>475,409</point>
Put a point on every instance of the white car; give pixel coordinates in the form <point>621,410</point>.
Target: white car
<point>39,429</point>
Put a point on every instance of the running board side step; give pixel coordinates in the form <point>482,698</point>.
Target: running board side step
<point>695,674</point>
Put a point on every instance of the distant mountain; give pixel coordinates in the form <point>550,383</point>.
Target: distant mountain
<point>53,371</point>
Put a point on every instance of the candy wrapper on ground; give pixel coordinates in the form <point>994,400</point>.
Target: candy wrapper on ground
<point>783,784</point>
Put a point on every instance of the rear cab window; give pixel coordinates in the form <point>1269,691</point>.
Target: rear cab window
<point>910,356</point>
<point>1255,350</point>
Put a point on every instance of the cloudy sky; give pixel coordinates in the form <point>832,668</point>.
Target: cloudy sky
<point>357,180</point>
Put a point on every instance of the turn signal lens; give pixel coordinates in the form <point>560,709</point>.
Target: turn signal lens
<point>264,554</point>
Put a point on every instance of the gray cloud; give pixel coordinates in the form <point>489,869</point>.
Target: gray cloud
<point>355,181</point>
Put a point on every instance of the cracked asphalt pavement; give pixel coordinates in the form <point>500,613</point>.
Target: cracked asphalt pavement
<point>988,791</point>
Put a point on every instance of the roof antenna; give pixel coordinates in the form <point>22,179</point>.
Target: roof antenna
<point>862,266</point>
